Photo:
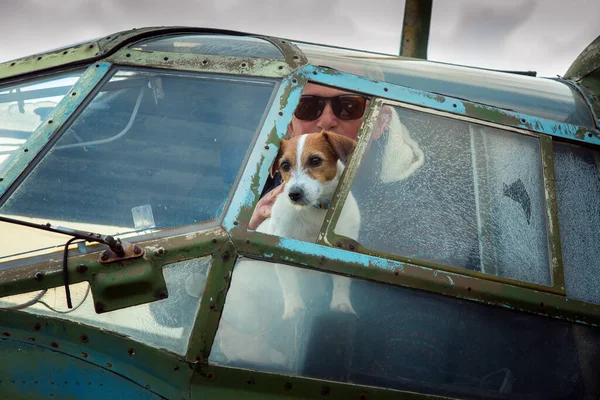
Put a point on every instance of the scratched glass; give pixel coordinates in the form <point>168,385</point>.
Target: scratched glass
<point>403,339</point>
<point>449,192</point>
<point>540,97</point>
<point>164,323</point>
<point>170,142</point>
<point>23,108</point>
<point>577,170</point>
<point>213,45</point>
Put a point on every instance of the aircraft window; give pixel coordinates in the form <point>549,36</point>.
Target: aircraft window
<point>24,107</point>
<point>540,97</point>
<point>213,45</point>
<point>577,172</point>
<point>164,323</point>
<point>401,338</point>
<point>152,151</point>
<point>450,192</point>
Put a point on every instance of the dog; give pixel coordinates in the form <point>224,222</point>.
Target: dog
<point>311,166</point>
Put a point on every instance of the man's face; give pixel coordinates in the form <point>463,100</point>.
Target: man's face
<point>327,120</point>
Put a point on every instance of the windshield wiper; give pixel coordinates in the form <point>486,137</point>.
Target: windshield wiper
<point>117,250</point>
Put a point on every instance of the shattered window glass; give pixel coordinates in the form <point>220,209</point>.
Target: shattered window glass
<point>450,192</point>
<point>577,170</point>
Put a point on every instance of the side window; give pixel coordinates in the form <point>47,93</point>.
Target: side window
<point>578,191</point>
<point>403,339</point>
<point>24,107</point>
<point>152,151</point>
<point>320,140</point>
<point>449,192</point>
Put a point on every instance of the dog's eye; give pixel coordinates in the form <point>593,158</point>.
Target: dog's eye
<point>285,166</point>
<point>315,162</point>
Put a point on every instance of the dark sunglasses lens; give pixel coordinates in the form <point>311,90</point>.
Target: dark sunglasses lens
<point>348,107</point>
<point>309,108</point>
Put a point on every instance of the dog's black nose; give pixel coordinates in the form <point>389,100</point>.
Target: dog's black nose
<point>295,194</point>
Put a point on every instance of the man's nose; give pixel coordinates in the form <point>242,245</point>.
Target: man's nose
<point>327,120</point>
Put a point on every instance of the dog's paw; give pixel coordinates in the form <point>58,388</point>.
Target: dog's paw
<point>291,310</point>
<point>343,306</point>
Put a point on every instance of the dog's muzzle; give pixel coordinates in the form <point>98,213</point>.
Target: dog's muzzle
<point>296,195</point>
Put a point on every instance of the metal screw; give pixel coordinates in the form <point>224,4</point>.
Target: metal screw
<point>396,272</point>
<point>131,352</point>
<point>226,255</point>
<point>54,344</point>
<point>339,244</point>
<point>137,250</point>
<point>351,247</point>
<point>235,223</point>
<point>81,268</point>
<point>159,252</point>
<point>104,256</point>
<point>37,327</point>
<point>247,241</point>
<point>84,338</point>
<point>39,276</point>
<point>267,147</point>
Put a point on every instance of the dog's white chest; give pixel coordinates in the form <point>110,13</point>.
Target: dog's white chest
<point>301,223</point>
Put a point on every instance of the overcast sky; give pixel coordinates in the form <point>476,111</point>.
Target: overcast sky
<point>540,35</point>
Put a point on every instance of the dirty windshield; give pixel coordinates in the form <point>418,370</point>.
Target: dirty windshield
<point>151,151</point>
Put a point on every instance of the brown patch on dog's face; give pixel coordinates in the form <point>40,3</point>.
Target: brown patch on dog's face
<point>319,159</point>
<point>320,153</point>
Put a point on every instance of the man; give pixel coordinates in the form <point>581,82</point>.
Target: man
<point>320,108</point>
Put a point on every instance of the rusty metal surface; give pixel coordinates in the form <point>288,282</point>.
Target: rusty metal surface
<point>130,251</point>
<point>415,28</point>
<point>192,62</point>
<point>214,382</point>
<point>213,302</point>
<point>405,274</point>
<point>553,228</point>
<point>92,51</point>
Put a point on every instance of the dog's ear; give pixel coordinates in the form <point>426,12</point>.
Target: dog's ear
<point>341,145</point>
<point>275,166</point>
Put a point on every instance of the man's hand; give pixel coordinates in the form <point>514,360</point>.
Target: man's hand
<point>263,208</point>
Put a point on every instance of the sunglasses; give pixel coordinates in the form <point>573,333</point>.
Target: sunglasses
<point>345,106</point>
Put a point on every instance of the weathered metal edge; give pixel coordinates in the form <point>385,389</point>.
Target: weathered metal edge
<point>231,382</point>
<point>250,66</point>
<point>257,168</point>
<point>552,221</point>
<point>212,304</point>
<point>159,252</point>
<point>452,105</point>
<point>404,274</point>
<point>91,51</point>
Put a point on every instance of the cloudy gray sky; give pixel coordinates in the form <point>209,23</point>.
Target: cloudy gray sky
<point>540,35</point>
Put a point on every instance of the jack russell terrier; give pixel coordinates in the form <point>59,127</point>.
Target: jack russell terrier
<point>311,166</point>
